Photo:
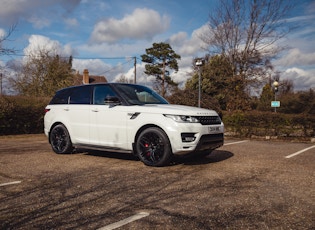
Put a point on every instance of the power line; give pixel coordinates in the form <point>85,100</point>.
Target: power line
<point>76,57</point>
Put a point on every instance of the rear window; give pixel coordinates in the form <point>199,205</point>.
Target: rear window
<point>74,95</point>
<point>81,95</point>
<point>61,97</point>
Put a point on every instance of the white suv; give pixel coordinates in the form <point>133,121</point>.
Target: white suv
<point>129,118</point>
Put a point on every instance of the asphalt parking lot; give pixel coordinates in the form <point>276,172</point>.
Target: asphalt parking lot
<point>245,184</point>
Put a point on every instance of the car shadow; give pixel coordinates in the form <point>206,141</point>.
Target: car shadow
<point>213,157</point>
<point>113,155</point>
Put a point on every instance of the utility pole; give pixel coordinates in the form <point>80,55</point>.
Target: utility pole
<point>0,83</point>
<point>135,70</point>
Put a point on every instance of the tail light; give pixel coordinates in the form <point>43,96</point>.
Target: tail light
<point>47,110</point>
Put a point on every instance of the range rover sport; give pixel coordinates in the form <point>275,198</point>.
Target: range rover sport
<point>129,118</point>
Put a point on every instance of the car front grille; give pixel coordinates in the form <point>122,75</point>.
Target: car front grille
<point>209,120</point>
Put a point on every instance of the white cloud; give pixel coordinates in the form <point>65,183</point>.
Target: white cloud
<point>39,43</point>
<point>188,46</point>
<point>296,57</point>
<point>303,80</point>
<point>39,13</point>
<point>38,22</point>
<point>95,66</point>
<point>114,50</point>
<point>2,33</point>
<point>141,24</point>
<point>99,67</point>
<point>71,22</point>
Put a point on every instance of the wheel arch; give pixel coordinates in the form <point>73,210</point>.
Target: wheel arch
<point>54,125</point>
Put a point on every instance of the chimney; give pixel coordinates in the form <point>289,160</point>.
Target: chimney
<point>86,78</point>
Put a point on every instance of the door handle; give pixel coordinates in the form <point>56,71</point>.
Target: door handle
<point>95,110</point>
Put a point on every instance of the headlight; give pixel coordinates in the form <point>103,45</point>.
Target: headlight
<point>183,118</point>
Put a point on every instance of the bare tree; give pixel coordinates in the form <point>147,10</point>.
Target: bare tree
<point>3,39</point>
<point>124,79</point>
<point>246,32</point>
<point>42,74</point>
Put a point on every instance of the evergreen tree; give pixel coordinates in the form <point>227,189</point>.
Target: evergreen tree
<point>161,60</point>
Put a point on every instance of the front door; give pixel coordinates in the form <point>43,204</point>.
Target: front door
<point>107,123</point>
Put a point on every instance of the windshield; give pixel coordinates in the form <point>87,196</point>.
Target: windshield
<point>139,95</point>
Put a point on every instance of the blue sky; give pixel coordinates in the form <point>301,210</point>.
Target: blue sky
<point>116,30</point>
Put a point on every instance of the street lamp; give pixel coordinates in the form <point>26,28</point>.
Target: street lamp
<point>199,63</point>
<point>275,87</point>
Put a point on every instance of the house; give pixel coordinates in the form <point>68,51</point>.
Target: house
<point>87,79</point>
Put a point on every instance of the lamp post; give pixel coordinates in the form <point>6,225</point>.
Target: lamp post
<point>199,63</point>
<point>275,87</point>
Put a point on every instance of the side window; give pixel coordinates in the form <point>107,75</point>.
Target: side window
<point>100,93</point>
<point>61,97</point>
<point>81,95</point>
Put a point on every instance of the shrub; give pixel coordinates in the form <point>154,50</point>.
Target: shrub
<point>257,123</point>
<point>21,115</point>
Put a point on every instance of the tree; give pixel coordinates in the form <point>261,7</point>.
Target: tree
<point>245,32</point>
<point>214,79</point>
<point>267,95</point>
<point>298,102</point>
<point>161,60</point>
<point>3,39</point>
<point>124,79</point>
<point>190,97</point>
<point>43,74</point>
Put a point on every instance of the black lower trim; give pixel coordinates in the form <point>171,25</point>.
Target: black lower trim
<point>210,141</point>
<point>101,148</point>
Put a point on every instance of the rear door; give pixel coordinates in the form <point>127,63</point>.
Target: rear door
<point>79,114</point>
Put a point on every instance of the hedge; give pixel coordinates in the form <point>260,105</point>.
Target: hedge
<point>269,124</point>
<point>22,115</point>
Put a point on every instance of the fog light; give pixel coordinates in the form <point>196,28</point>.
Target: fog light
<point>188,137</point>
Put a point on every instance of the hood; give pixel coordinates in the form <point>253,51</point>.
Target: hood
<point>176,110</point>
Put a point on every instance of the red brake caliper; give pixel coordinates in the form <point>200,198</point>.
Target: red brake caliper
<point>147,146</point>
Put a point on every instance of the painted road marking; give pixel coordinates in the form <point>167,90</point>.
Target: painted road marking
<point>125,221</point>
<point>299,152</point>
<point>10,183</point>
<point>238,142</point>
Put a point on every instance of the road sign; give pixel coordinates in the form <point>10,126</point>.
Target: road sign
<point>275,104</point>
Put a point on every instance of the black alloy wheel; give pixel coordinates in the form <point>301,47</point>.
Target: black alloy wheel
<point>153,147</point>
<point>60,140</point>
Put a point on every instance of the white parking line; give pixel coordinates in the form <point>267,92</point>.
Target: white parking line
<point>125,221</point>
<point>10,183</point>
<point>238,142</point>
<point>299,152</point>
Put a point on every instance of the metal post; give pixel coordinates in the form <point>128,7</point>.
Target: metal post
<point>199,87</point>
<point>275,100</point>
<point>199,63</point>
<point>135,70</point>
<point>0,83</point>
<point>275,88</point>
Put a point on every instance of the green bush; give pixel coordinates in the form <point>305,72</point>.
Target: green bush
<point>257,123</point>
<point>21,115</point>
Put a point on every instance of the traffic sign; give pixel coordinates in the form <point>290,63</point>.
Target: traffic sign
<point>275,104</point>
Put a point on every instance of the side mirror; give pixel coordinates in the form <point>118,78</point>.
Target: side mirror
<point>112,101</point>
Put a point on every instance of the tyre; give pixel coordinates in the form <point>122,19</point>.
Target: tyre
<point>60,140</point>
<point>153,147</point>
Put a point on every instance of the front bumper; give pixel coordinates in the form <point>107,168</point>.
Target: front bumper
<point>210,141</point>
<point>190,138</point>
